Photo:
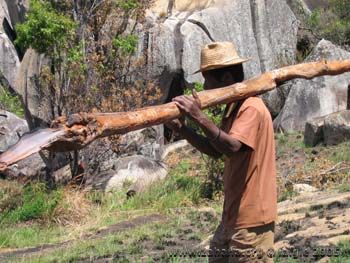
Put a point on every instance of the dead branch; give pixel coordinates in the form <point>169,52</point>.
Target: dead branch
<point>78,130</point>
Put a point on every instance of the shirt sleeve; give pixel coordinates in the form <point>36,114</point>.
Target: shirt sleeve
<point>246,126</point>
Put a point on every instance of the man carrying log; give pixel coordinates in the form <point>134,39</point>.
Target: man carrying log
<point>246,139</point>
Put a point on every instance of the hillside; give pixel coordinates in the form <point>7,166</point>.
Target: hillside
<point>144,195</point>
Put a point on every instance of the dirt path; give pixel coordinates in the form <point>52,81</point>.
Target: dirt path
<point>121,226</point>
<point>313,223</point>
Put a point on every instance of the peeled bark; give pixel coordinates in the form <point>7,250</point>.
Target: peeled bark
<point>78,130</point>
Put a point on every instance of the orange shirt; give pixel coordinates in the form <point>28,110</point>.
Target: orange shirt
<point>250,175</point>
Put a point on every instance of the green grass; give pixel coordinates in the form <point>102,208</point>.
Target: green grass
<point>286,194</point>
<point>30,235</point>
<point>340,153</point>
<point>28,217</point>
<point>288,141</point>
<point>279,259</point>
<point>176,191</point>
<point>10,102</point>
<point>344,248</point>
<point>344,186</point>
<point>35,202</point>
<point>130,245</point>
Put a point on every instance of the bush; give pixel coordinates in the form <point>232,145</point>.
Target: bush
<point>45,30</point>
<point>127,5</point>
<point>127,45</point>
<point>214,168</point>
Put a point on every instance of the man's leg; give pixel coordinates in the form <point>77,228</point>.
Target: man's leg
<point>252,244</point>
<point>219,245</point>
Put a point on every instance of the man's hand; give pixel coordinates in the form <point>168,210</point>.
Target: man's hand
<point>191,106</point>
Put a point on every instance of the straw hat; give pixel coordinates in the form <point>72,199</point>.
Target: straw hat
<point>219,55</point>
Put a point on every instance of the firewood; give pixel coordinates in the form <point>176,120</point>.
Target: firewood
<point>79,130</point>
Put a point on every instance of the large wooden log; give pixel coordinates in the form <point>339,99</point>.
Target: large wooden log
<point>78,130</point>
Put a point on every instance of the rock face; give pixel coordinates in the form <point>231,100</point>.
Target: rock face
<point>11,128</point>
<point>317,219</point>
<point>170,42</point>
<point>9,60</point>
<point>320,96</point>
<point>17,10</point>
<point>262,30</point>
<point>313,133</point>
<point>337,128</point>
<point>102,155</point>
<point>36,100</point>
<point>148,142</point>
<point>331,129</point>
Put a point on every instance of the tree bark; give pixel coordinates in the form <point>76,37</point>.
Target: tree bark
<point>78,130</point>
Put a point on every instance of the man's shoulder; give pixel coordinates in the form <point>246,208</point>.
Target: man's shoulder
<point>256,103</point>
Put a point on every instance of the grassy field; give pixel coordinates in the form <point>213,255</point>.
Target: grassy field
<point>177,212</point>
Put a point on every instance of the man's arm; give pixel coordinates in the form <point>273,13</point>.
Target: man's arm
<point>198,141</point>
<point>218,139</point>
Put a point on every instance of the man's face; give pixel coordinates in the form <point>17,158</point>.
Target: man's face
<point>222,77</point>
<point>212,81</point>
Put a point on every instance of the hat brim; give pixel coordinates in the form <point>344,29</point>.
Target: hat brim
<point>222,65</point>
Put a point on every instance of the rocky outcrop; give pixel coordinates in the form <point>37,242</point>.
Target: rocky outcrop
<point>177,30</point>
<point>147,142</point>
<point>170,43</point>
<point>331,129</point>
<point>134,173</point>
<point>9,61</point>
<point>102,155</point>
<point>313,133</point>
<point>317,219</point>
<point>320,96</point>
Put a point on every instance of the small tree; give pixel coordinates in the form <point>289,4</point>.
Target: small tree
<point>45,30</point>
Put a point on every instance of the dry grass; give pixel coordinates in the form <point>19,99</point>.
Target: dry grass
<point>10,193</point>
<point>74,209</point>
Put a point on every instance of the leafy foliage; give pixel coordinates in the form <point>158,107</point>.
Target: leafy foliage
<point>127,5</point>
<point>127,44</point>
<point>45,30</point>
<point>84,59</point>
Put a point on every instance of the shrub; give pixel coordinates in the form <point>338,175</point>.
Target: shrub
<point>44,30</point>
<point>214,168</point>
<point>127,5</point>
<point>127,44</point>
